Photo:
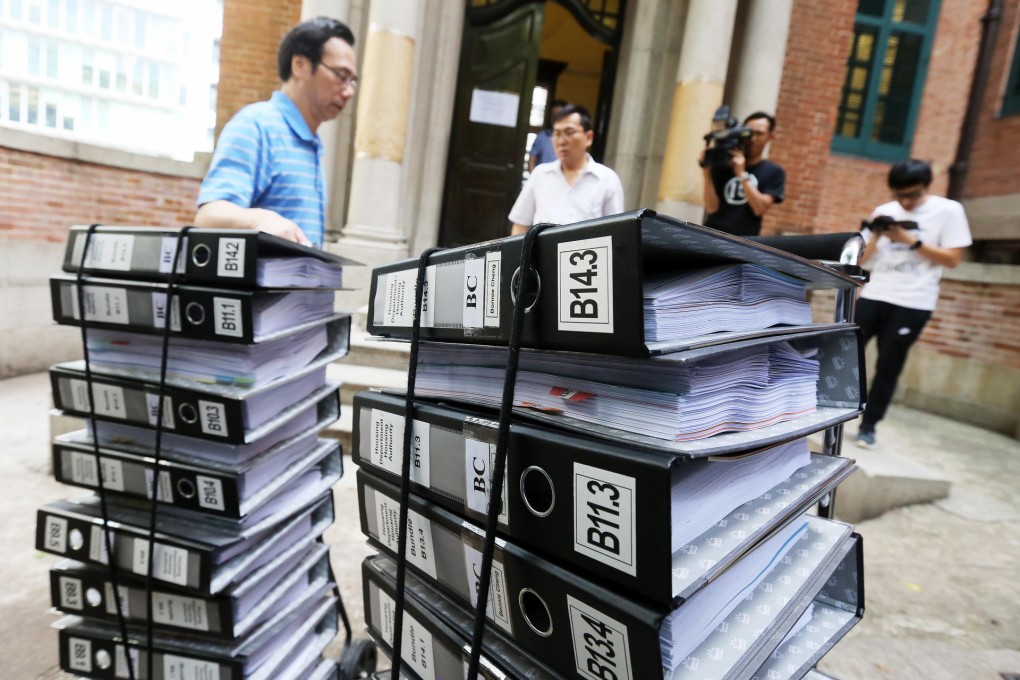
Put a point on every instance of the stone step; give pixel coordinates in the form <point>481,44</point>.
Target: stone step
<point>367,350</point>
<point>356,378</point>
<point>884,480</point>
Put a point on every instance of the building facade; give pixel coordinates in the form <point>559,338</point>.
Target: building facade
<point>434,147</point>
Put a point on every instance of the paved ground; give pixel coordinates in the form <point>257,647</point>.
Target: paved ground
<point>942,580</point>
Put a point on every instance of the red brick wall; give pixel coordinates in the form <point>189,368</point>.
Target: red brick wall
<point>820,32</point>
<point>992,164</point>
<point>252,30</point>
<point>977,321</point>
<point>41,196</point>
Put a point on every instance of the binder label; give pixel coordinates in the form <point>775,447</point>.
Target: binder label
<point>79,654</point>
<point>83,471</point>
<point>97,545</point>
<point>111,605</point>
<point>183,668</point>
<point>108,305</point>
<point>601,647</point>
<point>109,399</point>
<point>478,457</point>
<point>55,538</point>
<point>415,641</point>
<point>227,317</point>
<point>122,660</point>
<point>474,292</point>
<point>180,611</point>
<point>493,263</point>
<point>159,312</point>
<point>419,533</point>
<point>106,251</point>
<point>152,408</point>
<point>210,493</point>
<point>166,254</point>
<point>585,282</point>
<point>604,517</point>
<point>214,418</point>
<point>398,301</point>
<point>230,258</point>
<point>171,563</point>
<point>164,490</point>
<point>500,612</point>
<point>70,593</point>
<point>388,445</point>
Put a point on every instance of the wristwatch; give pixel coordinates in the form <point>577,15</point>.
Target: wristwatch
<point>916,244</point>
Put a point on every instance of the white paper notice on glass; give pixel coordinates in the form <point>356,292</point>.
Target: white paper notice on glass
<point>494,108</point>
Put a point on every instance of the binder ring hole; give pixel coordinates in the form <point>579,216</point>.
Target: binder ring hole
<point>75,539</point>
<point>93,597</point>
<point>194,313</point>
<point>185,488</point>
<point>536,613</point>
<point>201,255</point>
<point>532,288</point>
<point>187,413</point>
<point>537,491</point>
<point>103,659</point>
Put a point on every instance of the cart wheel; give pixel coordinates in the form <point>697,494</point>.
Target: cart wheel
<point>358,660</point>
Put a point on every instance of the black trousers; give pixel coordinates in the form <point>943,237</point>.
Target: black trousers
<point>895,329</point>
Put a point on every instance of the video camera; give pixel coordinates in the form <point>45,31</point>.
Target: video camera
<point>727,133</point>
<point>884,223</point>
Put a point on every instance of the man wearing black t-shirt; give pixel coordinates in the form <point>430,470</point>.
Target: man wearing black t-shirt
<point>736,198</point>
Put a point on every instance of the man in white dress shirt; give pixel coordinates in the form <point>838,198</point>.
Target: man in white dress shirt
<point>574,189</point>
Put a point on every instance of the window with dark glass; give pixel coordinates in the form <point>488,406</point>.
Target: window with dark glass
<point>1011,97</point>
<point>884,77</point>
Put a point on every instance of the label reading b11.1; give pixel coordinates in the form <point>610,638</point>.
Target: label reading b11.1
<point>585,285</point>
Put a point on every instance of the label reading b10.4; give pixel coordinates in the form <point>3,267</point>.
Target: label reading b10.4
<point>585,285</point>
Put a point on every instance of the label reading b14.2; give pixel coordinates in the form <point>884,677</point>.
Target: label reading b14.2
<point>585,285</point>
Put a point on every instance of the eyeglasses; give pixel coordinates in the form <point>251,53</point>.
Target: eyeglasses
<point>908,195</point>
<point>565,132</point>
<point>346,78</point>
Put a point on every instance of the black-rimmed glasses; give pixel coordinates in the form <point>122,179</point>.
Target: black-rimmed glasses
<point>346,78</point>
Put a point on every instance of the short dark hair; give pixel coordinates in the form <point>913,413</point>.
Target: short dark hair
<point>307,39</point>
<point>571,109</point>
<point>761,114</point>
<point>558,103</point>
<point>909,173</point>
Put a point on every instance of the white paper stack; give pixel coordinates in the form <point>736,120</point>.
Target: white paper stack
<point>677,401</point>
<point>739,297</point>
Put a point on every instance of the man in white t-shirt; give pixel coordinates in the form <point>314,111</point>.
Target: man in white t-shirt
<point>574,189</point>
<point>906,266</point>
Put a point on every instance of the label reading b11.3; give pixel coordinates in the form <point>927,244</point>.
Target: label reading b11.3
<point>604,517</point>
<point>585,285</point>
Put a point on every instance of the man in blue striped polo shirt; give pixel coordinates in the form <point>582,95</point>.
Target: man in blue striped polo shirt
<point>266,172</point>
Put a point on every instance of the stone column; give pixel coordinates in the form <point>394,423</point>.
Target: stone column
<point>759,69</point>
<point>704,57</point>
<point>336,134</point>
<point>384,104</point>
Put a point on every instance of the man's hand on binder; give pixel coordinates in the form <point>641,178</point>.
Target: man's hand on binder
<point>227,215</point>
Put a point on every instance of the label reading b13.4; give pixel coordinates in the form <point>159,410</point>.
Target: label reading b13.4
<point>585,285</point>
<point>601,645</point>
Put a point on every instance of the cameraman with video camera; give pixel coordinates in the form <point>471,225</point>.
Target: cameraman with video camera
<point>740,184</point>
<point>909,241</point>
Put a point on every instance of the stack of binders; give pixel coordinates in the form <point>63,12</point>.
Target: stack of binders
<point>657,509</point>
<point>224,574</point>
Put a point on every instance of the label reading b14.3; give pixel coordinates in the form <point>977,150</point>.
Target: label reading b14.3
<point>585,285</point>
